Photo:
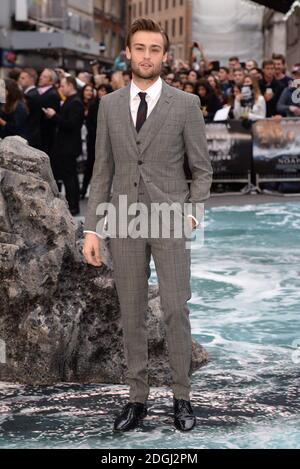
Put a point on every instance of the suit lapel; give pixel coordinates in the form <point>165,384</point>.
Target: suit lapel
<point>153,123</point>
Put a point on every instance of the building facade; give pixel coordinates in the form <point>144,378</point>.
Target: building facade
<point>282,36</point>
<point>109,26</point>
<point>60,33</point>
<point>174,16</point>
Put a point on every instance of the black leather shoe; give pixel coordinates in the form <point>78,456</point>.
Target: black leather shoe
<point>184,418</point>
<point>130,417</point>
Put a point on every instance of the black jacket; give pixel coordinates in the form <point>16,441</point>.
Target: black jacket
<point>69,123</point>
<point>48,126</point>
<point>16,121</point>
<point>91,125</point>
<point>33,127</point>
<point>277,88</point>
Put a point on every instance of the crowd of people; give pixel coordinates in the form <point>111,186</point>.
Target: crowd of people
<point>52,109</point>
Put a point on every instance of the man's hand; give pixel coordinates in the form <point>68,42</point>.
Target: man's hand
<point>295,110</point>
<point>91,249</point>
<point>193,223</point>
<point>49,112</point>
<point>268,96</point>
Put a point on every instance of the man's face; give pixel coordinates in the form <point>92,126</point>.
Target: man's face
<point>146,54</point>
<point>177,84</point>
<point>45,79</point>
<point>238,77</point>
<point>170,78</point>
<point>82,77</point>
<point>250,65</point>
<point>223,75</point>
<point>25,81</point>
<point>254,72</point>
<point>192,76</point>
<point>296,79</point>
<point>233,64</point>
<point>278,66</point>
<point>65,88</point>
<point>269,71</point>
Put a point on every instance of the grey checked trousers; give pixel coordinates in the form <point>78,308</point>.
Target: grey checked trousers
<point>131,258</point>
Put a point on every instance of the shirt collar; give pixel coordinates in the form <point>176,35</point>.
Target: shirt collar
<point>153,91</point>
<point>29,89</point>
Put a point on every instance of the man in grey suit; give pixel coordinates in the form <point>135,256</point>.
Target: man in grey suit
<point>143,133</point>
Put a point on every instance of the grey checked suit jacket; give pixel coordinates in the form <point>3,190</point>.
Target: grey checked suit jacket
<point>174,127</point>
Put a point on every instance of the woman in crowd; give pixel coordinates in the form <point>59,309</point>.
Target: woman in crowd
<point>210,102</point>
<point>249,103</point>
<point>215,85</point>
<point>88,96</point>
<point>189,87</point>
<point>91,125</point>
<point>14,113</point>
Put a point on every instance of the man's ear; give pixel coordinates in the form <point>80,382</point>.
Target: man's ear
<point>128,53</point>
<point>165,57</point>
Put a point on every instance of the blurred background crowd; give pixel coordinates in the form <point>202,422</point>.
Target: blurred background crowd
<point>56,111</point>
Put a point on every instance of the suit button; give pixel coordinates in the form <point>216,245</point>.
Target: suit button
<point>138,142</point>
<point>140,162</point>
<point>135,184</point>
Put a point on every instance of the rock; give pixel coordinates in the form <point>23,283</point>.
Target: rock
<point>59,317</point>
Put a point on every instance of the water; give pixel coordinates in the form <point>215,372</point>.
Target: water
<point>245,310</point>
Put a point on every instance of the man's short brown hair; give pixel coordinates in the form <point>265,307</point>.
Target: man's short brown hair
<point>31,72</point>
<point>147,24</point>
<point>279,57</point>
<point>71,80</point>
<point>266,63</point>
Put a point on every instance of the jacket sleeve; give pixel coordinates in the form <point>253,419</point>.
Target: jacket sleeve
<point>260,111</point>
<point>197,154</point>
<point>283,105</point>
<point>74,120</point>
<point>103,171</point>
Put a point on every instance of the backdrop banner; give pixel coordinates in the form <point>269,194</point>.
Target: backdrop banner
<point>230,148</point>
<point>276,147</point>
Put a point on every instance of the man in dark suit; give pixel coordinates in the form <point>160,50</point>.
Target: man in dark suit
<point>27,81</point>
<point>49,98</point>
<point>270,88</point>
<point>68,143</point>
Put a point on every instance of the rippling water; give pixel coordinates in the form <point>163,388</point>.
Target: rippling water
<point>245,310</point>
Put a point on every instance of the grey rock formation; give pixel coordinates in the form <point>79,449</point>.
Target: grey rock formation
<point>59,317</point>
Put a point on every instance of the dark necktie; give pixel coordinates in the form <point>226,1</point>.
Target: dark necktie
<point>142,111</point>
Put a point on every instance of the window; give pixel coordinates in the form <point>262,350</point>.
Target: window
<point>181,26</point>
<point>174,27</point>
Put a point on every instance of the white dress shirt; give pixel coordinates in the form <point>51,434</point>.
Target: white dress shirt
<point>152,97</point>
<point>153,94</point>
